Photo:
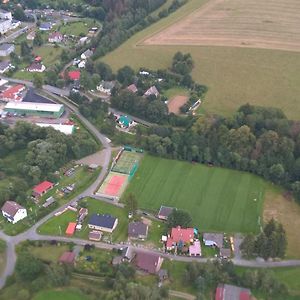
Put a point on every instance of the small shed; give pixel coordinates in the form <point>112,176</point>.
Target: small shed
<point>68,257</point>
<point>95,235</point>
<point>71,228</point>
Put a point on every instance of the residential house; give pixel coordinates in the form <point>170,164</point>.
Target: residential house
<point>195,249</point>
<point>83,40</point>
<point>148,262</point>
<point>5,25</point>
<point>13,93</point>
<point>15,23</point>
<point>213,239</point>
<point>128,254</point>
<point>55,37</point>
<point>45,26</point>
<point>87,54</point>
<point>132,88</point>
<point>137,230</point>
<point>6,49</point>
<point>68,258</point>
<point>180,236</point>
<point>74,75</point>
<point>106,87</point>
<point>13,211</point>
<point>4,66</point>
<point>231,292</point>
<point>125,122</point>
<point>36,67</point>
<point>152,91</point>
<point>81,65</point>
<point>106,223</point>
<point>42,188</point>
<point>164,212</point>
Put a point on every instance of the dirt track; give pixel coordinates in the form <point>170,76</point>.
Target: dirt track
<point>269,24</point>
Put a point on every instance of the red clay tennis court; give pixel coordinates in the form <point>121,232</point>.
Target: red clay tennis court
<point>114,185</point>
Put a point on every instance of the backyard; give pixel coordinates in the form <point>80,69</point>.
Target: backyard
<point>218,199</point>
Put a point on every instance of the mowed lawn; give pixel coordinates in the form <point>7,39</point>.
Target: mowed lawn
<point>68,294</point>
<point>218,199</point>
<point>234,76</point>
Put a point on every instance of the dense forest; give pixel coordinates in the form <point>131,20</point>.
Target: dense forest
<point>45,151</point>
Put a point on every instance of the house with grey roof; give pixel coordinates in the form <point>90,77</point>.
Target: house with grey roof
<point>137,230</point>
<point>106,223</point>
<point>87,54</point>
<point>106,87</point>
<point>4,66</point>
<point>13,211</point>
<point>45,26</point>
<point>164,212</point>
<point>213,239</point>
<point>6,49</point>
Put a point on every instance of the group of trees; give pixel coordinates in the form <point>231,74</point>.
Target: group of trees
<point>179,217</point>
<point>46,151</point>
<point>207,276</point>
<point>256,139</point>
<point>271,242</point>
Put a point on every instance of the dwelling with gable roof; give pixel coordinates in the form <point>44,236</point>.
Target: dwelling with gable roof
<point>152,91</point>
<point>164,212</point>
<point>180,237</point>
<point>231,292</point>
<point>148,262</point>
<point>106,223</point>
<point>13,211</point>
<point>42,188</point>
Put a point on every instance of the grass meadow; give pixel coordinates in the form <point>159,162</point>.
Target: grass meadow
<point>234,76</point>
<point>218,199</point>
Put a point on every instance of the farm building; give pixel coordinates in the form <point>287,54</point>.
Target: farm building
<point>63,128</point>
<point>231,292</point>
<point>148,262</point>
<point>35,109</point>
<point>137,230</point>
<point>13,211</point>
<point>106,223</point>
<point>42,188</point>
<point>164,212</point>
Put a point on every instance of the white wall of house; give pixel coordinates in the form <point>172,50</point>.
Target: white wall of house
<point>21,214</point>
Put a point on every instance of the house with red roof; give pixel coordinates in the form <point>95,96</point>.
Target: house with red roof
<point>231,292</point>
<point>42,188</point>
<point>68,258</point>
<point>55,37</point>
<point>71,228</point>
<point>148,262</point>
<point>180,236</point>
<point>74,75</point>
<point>13,93</point>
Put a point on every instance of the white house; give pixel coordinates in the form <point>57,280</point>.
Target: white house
<point>86,54</point>
<point>106,87</point>
<point>81,65</point>
<point>5,25</point>
<point>36,67</point>
<point>106,223</point>
<point>13,211</point>
<point>5,14</point>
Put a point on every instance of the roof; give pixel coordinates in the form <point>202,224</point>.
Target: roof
<point>88,53</point>
<point>147,261</point>
<point>225,252</point>
<point>11,208</point>
<point>4,47</point>
<point>108,85</point>
<point>132,88</point>
<point>74,75</point>
<point>136,229</point>
<point>83,211</point>
<point>66,129</point>
<point>125,120</point>
<point>195,249</point>
<point>43,187</point>
<point>215,237</point>
<point>36,66</point>
<point>182,234</point>
<point>71,228</point>
<point>165,211</point>
<point>4,64</point>
<point>162,274</point>
<point>46,25</point>
<point>55,34</point>
<point>231,292</point>
<point>12,92</point>
<point>106,221</point>
<point>152,91</point>
<point>68,257</point>
<point>49,107</point>
<point>128,253</point>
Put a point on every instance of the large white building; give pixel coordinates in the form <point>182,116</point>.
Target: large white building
<point>5,25</point>
<point>64,128</point>
<point>13,211</point>
<point>5,14</point>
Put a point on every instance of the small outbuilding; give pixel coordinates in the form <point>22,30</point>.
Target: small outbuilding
<point>71,228</point>
<point>42,188</point>
<point>164,212</point>
<point>68,257</point>
<point>95,235</point>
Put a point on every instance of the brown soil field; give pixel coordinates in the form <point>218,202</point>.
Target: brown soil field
<point>266,24</point>
<point>175,103</point>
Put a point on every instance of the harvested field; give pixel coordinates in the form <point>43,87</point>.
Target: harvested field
<point>175,103</point>
<point>268,24</point>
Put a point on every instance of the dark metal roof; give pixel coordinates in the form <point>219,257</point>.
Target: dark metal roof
<point>106,221</point>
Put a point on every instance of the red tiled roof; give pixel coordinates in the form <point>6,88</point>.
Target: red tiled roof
<point>68,257</point>
<point>182,234</point>
<point>12,92</point>
<point>43,187</point>
<point>244,295</point>
<point>74,75</point>
<point>71,228</point>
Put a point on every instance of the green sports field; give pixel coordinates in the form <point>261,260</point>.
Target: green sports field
<point>218,199</point>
